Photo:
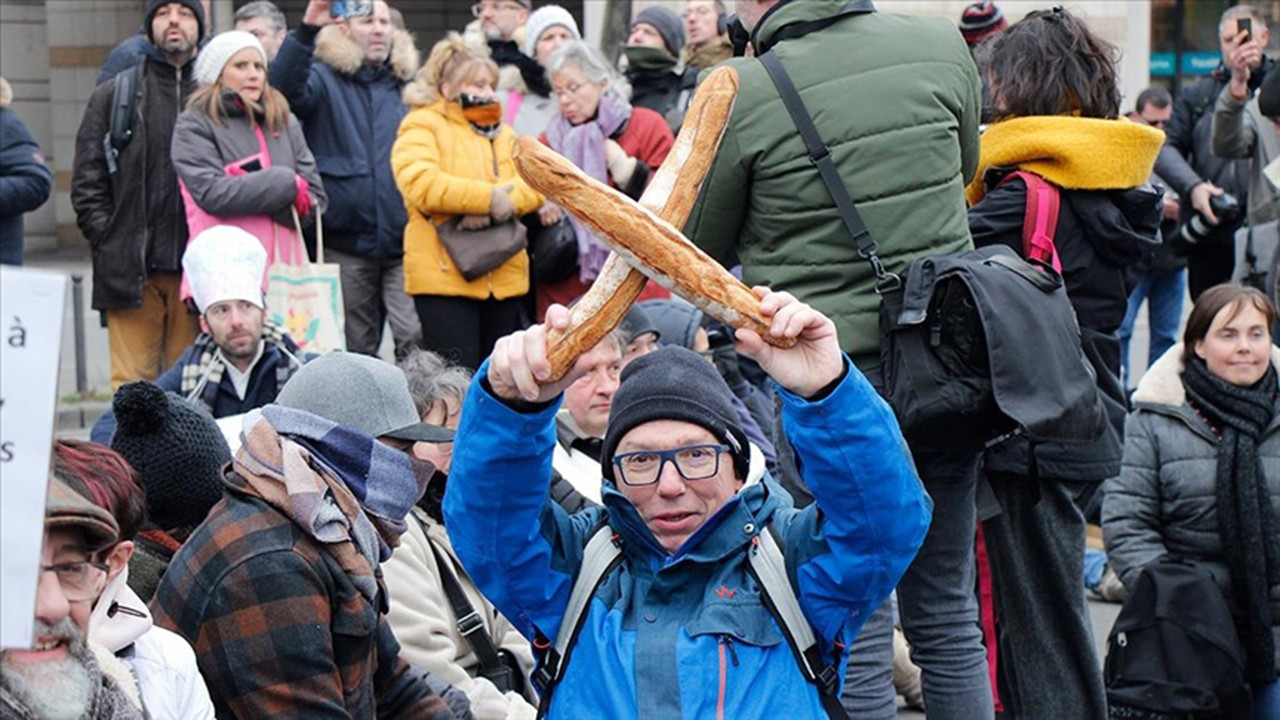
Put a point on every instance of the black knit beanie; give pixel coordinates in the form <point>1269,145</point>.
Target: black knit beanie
<point>193,5</point>
<point>674,383</point>
<point>177,449</point>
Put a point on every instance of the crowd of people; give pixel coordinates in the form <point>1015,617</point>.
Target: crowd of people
<point>694,521</point>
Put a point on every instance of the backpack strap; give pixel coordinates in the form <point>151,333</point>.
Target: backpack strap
<point>602,554</point>
<point>767,565</point>
<point>124,98</point>
<point>820,155</point>
<point>1040,222</point>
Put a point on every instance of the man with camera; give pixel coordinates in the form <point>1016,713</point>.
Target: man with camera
<point>1212,188</point>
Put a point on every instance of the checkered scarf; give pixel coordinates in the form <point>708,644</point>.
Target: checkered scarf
<point>200,379</point>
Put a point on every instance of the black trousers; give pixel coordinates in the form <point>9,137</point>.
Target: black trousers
<point>463,330</point>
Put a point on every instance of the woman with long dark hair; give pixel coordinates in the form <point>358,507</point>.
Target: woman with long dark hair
<point>1056,103</point>
<point>1201,477</point>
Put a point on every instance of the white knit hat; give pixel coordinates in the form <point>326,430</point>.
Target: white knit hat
<point>215,54</point>
<point>225,263</point>
<point>541,20</point>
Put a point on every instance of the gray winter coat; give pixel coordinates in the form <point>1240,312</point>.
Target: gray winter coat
<point>203,149</point>
<point>1240,130</point>
<point>1163,500</point>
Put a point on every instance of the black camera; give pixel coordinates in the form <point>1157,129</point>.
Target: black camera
<point>1198,228</point>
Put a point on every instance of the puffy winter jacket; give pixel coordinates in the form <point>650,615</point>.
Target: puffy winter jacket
<point>685,634</point>
<point>1240,130</point>
<point>350,114</point>
<point>1163,500</point>
<point>25,180</point>
<point>896,99</point>
<point>445,168</point>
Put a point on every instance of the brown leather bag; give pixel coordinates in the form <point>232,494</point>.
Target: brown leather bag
<point>477,252</point>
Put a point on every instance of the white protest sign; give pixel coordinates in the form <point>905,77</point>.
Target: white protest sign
<point>31,305</point>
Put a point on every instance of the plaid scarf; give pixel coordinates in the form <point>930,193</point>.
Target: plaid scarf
<point>344,489</point>
<point>200,379</point>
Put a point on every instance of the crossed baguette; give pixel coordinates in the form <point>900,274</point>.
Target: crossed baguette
<point>644,236</point>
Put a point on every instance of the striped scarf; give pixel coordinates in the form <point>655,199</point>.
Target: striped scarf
<point>201,378</point>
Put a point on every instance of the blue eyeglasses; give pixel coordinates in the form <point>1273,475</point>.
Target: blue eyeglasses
<point>693,462</point>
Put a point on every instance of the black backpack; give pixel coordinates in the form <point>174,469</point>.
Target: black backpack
<point>1174,651</point>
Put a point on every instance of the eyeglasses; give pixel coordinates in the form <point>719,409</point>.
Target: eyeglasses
<point>478,9</point>
<point>570,90</point>
<point>80,581</point>
<point>693,462</point>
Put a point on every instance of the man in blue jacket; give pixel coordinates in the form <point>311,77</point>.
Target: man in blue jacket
<point>679,628</point>
<point>343,80</point>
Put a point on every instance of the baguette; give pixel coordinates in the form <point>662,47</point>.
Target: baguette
<point>670,195</point>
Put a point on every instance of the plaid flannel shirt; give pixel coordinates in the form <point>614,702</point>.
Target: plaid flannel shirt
<point>279,630</point>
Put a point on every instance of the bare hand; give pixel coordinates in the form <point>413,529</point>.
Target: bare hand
<point>808,366</point>
<point>1200,195</point>
<point>1243,54</point>
<point>549,214</point>
<point>317,14</point>
<point>474,222</point>
<point>519,364</point>
<point>500,206</point>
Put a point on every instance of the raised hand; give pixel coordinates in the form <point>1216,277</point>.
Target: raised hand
<point>814,362</point>
<point>518,367</point>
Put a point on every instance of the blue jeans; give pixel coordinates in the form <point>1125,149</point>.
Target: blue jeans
<point>1163,291</point>
<point>1266,701</point>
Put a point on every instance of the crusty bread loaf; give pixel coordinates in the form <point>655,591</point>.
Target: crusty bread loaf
<point>670,196</point>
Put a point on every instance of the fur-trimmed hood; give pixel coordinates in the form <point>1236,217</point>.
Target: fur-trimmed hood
<point>6,93</point>
<point>1162,383</point>
<point>342,54</point>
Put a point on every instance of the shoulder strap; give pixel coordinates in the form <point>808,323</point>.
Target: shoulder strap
<point>124,98</point>
<point>768,565</point>
<point>601,555</point>
<point>821,157</point>
<point>467,620</point>
<point>1040,223</point>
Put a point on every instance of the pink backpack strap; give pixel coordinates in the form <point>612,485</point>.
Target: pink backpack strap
<point>1040,222</point>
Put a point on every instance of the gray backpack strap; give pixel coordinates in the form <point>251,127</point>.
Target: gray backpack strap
<point>603,553</point>
<point>769,567</point>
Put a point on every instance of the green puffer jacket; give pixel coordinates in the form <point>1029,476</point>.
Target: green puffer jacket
<point>897,100</point>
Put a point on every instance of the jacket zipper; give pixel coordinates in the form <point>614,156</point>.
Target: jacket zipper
<point>726,642</point>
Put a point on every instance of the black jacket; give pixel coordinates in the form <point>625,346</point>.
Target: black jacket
<point>665,92</point>
<point>134,219</point>
<point>1187,156</point>
<point>1101,238</point>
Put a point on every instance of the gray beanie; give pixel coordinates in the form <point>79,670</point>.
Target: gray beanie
<point>667,23</point>
<point>677,321</point>
<point>673,383</point>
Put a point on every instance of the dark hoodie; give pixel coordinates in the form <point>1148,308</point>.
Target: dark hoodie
<point>1101,238</point>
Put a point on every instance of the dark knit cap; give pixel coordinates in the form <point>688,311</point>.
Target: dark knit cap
<point>667,23</point>
<point>673,383</point>
<point>153,6</point>
<point>637,322</point>
<point>981,20</point>
<point>177,449</point>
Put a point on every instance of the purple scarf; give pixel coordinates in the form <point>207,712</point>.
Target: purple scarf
<point>583,145</point>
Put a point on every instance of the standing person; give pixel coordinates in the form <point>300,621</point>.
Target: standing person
<point>132,51</point>
<point>25,180</point>
<point>1201,476</point>
<point>657,80</point>
<point>1190,166</point>
<point>609,139</point>
<point>764,203</point>
<point>1164,280</point>
<point>240,155</point>
<point>686,506</point>
<point>163,663</point>
<point>705,24</point>
<point>263,20</point>
<point>64,677</point>
<point>454,157</point>
<point>583,419</point>
<point>343,78</point>
<point>129,206</point>
<point>1052,78</point>
<point>499,28</point>
<point>549,27</point>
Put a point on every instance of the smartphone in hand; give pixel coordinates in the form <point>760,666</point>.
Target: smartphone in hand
<point>343,9</point>
<point>1244,25</point>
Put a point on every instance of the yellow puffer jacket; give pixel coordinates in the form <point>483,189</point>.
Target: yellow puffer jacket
<point>444,168</point>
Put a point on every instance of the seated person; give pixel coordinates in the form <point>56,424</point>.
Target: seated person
<point>240,360</point>
<point>686,508</point>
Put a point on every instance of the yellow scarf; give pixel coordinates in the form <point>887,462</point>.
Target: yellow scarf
<point>1071,152</point>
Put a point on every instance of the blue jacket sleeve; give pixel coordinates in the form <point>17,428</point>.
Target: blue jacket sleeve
<point>130,52</point>
<point>25,180</point>
<point>521,549</point>
<point>870,511</point>
<point>291,72</point>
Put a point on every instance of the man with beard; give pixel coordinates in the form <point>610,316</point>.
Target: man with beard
<point>127,201</point>
<point>343,79</point>
<point>60,677</point>
<point>240,360</point>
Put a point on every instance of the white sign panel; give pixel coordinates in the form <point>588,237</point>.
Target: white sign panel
<point>31,306</point>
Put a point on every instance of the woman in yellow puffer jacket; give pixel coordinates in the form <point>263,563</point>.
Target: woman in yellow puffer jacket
<point>453,158</point>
